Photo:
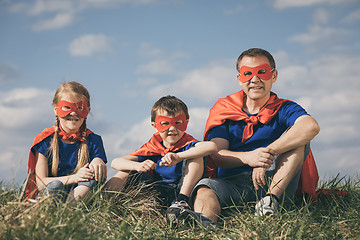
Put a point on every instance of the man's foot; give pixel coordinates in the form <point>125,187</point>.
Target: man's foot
<point>268,205</point>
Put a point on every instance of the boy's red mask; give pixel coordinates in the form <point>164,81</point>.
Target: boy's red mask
<point>163,123</point>
<point>262,71</point>
<point>64,108</point>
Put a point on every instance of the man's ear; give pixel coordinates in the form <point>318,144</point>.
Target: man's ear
<point>274,76</point>
<point>238,79</point>
<point>153,124</point>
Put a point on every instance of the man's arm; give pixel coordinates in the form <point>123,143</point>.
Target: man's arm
<point>261,157</point>
<point>304,129</point>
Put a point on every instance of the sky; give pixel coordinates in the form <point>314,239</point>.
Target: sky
<point>129,53</point>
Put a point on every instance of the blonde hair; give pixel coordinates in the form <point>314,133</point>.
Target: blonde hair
<point>83,153</point>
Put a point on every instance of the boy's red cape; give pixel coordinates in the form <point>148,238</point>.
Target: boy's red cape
<point>230,108</point>
<point>154,146</point>
<point>30,187</point>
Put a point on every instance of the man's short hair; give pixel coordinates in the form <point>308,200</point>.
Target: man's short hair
<point>255,52</point>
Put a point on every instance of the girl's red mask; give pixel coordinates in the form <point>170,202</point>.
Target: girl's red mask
<point>262,71</point>
<point>64,108</point>
<point>163,123</point>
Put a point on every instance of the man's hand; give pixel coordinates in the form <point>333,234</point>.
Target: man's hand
<point>260,157</point>
<point>170,159</point>
<point>145,166</point>
<point>258,177</point>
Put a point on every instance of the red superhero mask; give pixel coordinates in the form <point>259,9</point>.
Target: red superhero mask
<point>163,123</point>
<point>64,108</point>
<point>262,71</point>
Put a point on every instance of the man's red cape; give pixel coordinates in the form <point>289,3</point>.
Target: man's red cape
<point>230,108</point>
<point>31,188</point>
<point>154,146</point>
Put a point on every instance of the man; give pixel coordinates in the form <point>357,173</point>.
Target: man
<point>251,129</point>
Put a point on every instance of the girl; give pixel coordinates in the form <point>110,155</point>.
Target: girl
<point>67,157</point>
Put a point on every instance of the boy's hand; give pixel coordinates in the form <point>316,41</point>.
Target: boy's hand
<point>170,159</point>
<point>145,166</point>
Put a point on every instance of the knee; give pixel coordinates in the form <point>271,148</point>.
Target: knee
<point>205,193</point>
<point>55,185</point>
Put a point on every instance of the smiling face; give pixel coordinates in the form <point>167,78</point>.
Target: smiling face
<point>256,89</point>
<point>171,135</point>
<point>72,122</point>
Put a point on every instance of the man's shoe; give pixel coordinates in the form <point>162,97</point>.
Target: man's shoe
<point>268,205</point>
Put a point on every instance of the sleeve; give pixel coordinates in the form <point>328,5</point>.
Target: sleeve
<point>43,147</point>
<point>190,145</point>
<point>221,131</point>
<point>291,111</point>
<point>96,147</point>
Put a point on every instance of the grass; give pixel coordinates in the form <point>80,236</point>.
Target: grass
<point>137,215</point>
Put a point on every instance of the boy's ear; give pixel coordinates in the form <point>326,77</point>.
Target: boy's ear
<point>153,124</point>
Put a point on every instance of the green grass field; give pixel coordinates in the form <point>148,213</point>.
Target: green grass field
<point>137,215</point>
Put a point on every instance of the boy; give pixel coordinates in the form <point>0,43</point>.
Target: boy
<point>173,158</point>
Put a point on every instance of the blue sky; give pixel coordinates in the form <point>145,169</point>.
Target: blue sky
<point>130,53</point>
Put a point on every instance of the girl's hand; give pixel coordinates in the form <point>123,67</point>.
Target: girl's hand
<point>84,174</point>
<point>99,168</point>
<point>170,159</point>
<point>145,166</point>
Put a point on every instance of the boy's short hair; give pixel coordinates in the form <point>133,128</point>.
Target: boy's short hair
<point>171,104</point>
<point>255,52</point>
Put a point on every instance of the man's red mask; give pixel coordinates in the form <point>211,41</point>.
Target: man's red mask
<point>163,123</point>
<point>262,71</point>
<point>64,108</point>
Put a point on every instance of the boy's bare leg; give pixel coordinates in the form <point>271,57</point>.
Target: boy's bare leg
<point>193,172</point>
<point>207,203</point>
<point>287,166</point>
<point>117,182</point>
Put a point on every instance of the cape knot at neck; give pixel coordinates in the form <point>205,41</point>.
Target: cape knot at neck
<point>253,119</point>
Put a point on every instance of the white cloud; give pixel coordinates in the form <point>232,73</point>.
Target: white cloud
<point>321,16</point>
<point>236,9</point>
<point>206,84</point>
<point>319,34</point>
<point>44,6</point>
<point>87,45</point>
<point>156,67</point>
<point>282,4</point>
<point>66,10</point>
<point>59,21</point>
<point>8,72</point>
<point>23,107</point>
<point>352,17</point>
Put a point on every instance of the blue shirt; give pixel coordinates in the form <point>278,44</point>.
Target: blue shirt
<point>262,137</point>
<point>167,174</point>
<point>68,153</point>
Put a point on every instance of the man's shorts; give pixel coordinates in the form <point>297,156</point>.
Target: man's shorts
<point>239,189</point>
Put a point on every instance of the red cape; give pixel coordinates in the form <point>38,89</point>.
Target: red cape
<point>154,146</point>
<point>231,108</point>
<point>31,187</point>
